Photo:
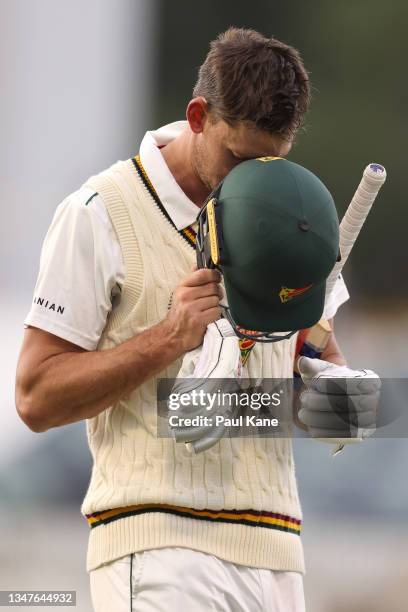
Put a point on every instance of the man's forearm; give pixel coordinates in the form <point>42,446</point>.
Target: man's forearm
<point>332,352</point>
<point>57,382</point>
<point>74,386</point>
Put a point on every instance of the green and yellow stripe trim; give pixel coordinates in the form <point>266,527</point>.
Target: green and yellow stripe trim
<point>270,520</point>
<point>187,233</point>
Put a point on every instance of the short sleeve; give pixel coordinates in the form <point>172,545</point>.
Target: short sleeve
<point>81,270</point>
<point>338,296</point>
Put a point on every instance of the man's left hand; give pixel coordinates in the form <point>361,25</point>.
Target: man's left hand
<point>339,405</point>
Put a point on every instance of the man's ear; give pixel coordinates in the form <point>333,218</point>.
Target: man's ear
<point>197,114</point>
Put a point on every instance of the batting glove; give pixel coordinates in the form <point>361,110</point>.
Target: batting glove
<point>339,405</point>
<point>219,357</point>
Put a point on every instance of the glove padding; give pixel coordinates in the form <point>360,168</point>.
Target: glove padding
<point>339,405</point>
<point>219,357</point>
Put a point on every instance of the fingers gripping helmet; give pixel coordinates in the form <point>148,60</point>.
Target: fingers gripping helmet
<point>272,229</point>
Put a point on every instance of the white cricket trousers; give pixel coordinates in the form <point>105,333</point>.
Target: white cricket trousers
<point>184,580</point>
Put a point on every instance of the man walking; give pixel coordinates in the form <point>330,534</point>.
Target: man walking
<point>117,304</point>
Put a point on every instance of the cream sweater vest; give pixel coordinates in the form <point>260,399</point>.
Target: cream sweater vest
<point>134,472</point>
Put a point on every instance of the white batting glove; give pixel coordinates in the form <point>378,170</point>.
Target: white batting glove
<point>219,357</point>
<point>339,405</point>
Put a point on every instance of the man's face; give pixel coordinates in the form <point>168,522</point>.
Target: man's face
<point>220,147</point>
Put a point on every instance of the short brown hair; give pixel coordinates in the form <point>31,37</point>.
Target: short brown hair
<point>248,77</point>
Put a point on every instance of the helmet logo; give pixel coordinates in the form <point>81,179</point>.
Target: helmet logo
<point>287,294</point>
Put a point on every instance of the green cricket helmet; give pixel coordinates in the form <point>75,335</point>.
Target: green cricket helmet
<point>272,229</point>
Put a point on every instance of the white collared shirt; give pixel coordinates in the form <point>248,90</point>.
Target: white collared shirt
<point>181,209</point>
<point>81,265</point>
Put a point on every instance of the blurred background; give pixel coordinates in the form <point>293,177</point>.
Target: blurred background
<point>81,83</point>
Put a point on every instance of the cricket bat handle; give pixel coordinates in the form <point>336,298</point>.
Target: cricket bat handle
<point>312,342</point>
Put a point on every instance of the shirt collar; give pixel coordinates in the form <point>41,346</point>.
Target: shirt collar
<point>182,211</point>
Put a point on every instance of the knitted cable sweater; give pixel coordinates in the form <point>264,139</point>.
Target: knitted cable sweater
<point>237,500</point>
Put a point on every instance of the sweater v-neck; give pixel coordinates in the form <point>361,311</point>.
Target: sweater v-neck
<point>188,234</point>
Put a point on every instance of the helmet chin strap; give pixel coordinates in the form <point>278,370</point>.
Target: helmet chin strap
<point>257,336</point>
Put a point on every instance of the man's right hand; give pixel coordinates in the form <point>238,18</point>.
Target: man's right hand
<point>195,304</point>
